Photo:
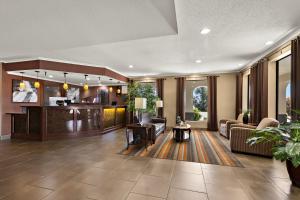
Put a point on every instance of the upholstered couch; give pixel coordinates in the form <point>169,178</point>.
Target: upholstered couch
<point>158,125</point>
<point>241,132</point>
<point>225,125</point>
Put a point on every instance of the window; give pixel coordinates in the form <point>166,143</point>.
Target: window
<point>196,94</point>
<point>283,89</point>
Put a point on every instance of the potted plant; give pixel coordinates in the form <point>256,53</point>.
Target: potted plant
<point>197,114</point>
<point>246,116</point>
<point>286,139</point>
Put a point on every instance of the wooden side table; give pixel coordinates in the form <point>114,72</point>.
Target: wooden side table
<point>145,128</point>
<point>178,132</point>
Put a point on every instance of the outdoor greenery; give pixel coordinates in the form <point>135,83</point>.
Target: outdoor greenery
<point>197,114</point>
<point>147,91</point>
<point>286,139</point>
<point>200,98</point>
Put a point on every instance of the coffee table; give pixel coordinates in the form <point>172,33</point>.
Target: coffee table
<point>178,132</point>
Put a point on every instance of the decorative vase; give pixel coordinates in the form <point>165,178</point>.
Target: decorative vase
<point>294,173</point>
<point>245,119</point>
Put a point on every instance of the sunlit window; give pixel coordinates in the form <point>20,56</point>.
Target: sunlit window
<point>284,90</point>
<point>196,94</point>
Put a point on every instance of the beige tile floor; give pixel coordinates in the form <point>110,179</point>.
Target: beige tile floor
<point>89,168</point>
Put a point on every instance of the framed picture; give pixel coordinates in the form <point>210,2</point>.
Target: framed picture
<point>27,95</point>
<point>73,95</point>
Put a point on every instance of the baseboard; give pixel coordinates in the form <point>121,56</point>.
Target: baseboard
<point>4,137</point>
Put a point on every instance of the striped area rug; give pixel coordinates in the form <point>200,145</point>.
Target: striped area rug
<point>203,147</point>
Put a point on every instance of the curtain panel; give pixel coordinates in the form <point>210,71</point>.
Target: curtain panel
<point>212,123</point>
<point>160,94</point>
<point>180,97</point>
<point>259,91</point>
<point>239,94</point>
<point>295,77</point>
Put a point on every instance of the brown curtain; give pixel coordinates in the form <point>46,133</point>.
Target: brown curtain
<point>180,97</point>
<point>259,91</point>
<point>212,124</point>
<point>295,79</point>
<point>239,94</point>
<point>160,94</point>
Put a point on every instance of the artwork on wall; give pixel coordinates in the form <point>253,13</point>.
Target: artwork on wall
<point>27,95</point>
<point>73,94</point>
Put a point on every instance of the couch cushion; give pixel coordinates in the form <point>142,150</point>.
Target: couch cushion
<point>240,117</point>
<point>159,127</point>
<point>267,122</point>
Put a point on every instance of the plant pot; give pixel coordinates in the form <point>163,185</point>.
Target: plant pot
<point>245,119</point>
<point>294,173</point>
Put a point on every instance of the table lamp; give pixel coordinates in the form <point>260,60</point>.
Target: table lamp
<point>139,104</point>
<point>159,105</point>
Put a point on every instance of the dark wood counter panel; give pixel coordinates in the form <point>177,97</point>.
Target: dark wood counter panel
<point>57,122</point>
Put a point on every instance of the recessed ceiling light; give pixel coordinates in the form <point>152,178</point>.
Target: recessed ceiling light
<point>205,31</point>
<point>130,66</point>
<point>269,43</point>
<point>240,64</point>
<point>50,76</point>
<point>88,79</point>
<point>198,61</point>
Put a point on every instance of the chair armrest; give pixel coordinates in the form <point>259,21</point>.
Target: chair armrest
<point>158,120</point>
<point>240,125</point>
<point>229,124</point>
<point>223,121</point>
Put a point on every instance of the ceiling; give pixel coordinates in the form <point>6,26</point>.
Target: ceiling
<point>72,78</point>
<point>159,38</point>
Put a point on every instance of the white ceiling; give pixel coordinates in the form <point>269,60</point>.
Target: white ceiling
<point>147,34</point>
<point>71,78</point>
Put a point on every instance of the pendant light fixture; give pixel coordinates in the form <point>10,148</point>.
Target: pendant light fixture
<point>85,85</point>
<point>37,83</point>
<point>22,84</point>
<point>65,86</point>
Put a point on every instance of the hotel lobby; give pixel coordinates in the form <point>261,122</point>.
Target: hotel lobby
<point>150,100</point>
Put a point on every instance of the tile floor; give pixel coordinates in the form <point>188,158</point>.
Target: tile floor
<point>89,168</point>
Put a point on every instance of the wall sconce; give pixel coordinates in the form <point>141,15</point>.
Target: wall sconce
<point>65,86</point>
<point>85,85</point>
<point>22,84</point>
<point>118,90</point>
<point>110,89</point>
<point>37,83</point>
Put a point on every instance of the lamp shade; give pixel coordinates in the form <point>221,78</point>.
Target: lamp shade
<point>159,104</point>
<point>140,103</point>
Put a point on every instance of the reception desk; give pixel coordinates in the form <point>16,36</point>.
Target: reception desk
<point>58,122</point>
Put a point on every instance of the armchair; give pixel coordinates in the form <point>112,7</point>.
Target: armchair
<point>225,125</point>
<point>241,132</point>
<point>158,125</point>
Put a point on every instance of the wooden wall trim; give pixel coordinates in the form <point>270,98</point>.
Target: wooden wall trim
<point>60,66</point>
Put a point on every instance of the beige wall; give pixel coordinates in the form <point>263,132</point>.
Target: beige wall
<point>226,96</point>
<point>226,86</point>
<point>170,101</point>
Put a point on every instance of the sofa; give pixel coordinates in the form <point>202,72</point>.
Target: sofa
<point>225,125</point>
<point>241,132</point>
<point>158,125</point>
